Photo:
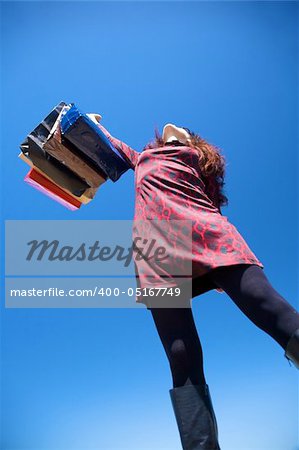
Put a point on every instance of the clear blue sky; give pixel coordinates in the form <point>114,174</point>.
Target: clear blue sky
<point>98,378</point>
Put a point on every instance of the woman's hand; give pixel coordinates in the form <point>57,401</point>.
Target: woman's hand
<point>94,117</point>
<point>220,290</point>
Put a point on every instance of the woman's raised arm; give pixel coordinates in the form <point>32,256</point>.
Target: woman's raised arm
<point>128,153</point>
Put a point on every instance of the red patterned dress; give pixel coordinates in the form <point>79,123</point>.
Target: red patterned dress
<point>169,187</point>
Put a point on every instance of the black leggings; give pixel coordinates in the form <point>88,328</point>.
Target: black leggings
<point>249,288</point>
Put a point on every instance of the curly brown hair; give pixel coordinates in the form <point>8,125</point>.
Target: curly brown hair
<point>212,165</point>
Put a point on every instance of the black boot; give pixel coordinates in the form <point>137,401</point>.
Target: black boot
<point>195,417</point>
<point>292,349</point>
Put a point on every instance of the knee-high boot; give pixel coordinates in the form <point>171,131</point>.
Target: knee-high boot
<point>292,349</point>
<point>195,417</point>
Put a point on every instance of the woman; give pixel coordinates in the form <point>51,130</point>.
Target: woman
<point>180,176</point>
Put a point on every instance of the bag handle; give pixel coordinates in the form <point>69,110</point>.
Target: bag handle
<point>94,117</point>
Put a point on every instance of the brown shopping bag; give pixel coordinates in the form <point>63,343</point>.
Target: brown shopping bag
<point>32,147</point>
<point>84,198</point>
<point>67,154</point>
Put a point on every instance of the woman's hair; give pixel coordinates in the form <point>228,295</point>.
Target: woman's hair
<point>212,164</point>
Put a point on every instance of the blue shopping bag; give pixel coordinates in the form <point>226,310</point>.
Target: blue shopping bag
<point>78,129</point>
<point>33,149</point>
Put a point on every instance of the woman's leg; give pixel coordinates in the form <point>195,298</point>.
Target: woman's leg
<point>178,334</point>
<point>190,395</point>
<point>249,288</point>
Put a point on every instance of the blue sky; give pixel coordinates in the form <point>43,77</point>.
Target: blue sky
<point>98,378</point>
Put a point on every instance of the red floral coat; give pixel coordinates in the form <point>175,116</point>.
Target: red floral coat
<point>169,187</point>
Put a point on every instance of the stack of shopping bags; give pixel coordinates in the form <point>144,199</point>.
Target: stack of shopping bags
<point>70,157</point>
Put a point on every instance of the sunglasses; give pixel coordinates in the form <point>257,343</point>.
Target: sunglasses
<point>188,131</point>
